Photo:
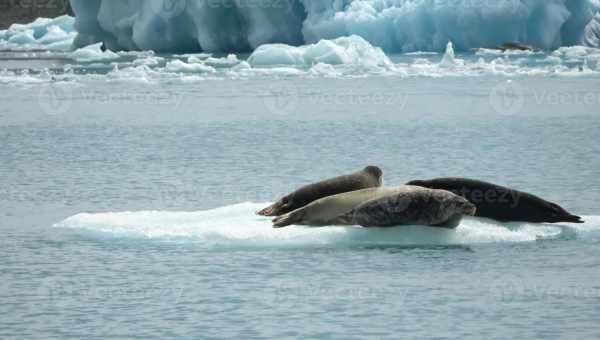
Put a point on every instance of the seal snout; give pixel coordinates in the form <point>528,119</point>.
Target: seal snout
<point>468,208</point>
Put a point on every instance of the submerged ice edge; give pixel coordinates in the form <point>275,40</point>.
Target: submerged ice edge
<point>238,226</point>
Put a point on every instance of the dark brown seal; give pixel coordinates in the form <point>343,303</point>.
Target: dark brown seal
<point>501,203</point>
<point>368,177</point>
<point>515,46</point>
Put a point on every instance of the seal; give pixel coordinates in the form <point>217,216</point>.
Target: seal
<point>502,203</point>
<point>324,210</point>
<point>516,46</point>
<point>438,208</point>
<point>369,177</point>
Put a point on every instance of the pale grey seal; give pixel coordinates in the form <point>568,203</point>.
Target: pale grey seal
<point>325,210</point>
<point>410,207</point>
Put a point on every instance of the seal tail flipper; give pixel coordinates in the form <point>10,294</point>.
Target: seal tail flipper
<point>572,219</point>
<point>564,216</point>
<point>288,219</point>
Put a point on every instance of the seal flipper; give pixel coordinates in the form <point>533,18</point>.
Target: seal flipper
<point>571,219</point>
<point>451,223</point>
<point>561,215</point>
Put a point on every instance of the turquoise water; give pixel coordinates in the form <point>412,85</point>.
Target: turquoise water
<point>127,208</point>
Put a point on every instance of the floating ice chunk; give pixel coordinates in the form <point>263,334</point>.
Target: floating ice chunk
<point>195,60</point>
<point>60,46</point>
<point>43,33</point>
<point>449,58</point>
<point>230,60</point>
<point>40,26</point>
<point>93,53</point>
<point>55,34</point>
<point>241,66</point>
<point>575,52</point>
<point>22,38</point>
<point>321,69</point>
<point>180,66</point>
<point>344,50</point>
<point>236,226</point>
<point>148,61</point>
<point>276,54</point>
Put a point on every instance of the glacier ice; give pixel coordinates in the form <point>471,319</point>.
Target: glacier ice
<point>48,34</point>
<point>393,25</point>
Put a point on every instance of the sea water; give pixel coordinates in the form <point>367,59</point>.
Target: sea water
<point>129,191</point>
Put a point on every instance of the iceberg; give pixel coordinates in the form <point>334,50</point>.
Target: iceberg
<point>344,50</point>
<point>93,53</point>
<point>46,34</point>
<point>393,25</point>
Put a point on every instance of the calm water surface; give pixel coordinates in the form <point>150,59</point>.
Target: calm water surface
<point>174,267</point>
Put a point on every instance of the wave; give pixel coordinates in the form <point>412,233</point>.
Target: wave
<point>237,226</point>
